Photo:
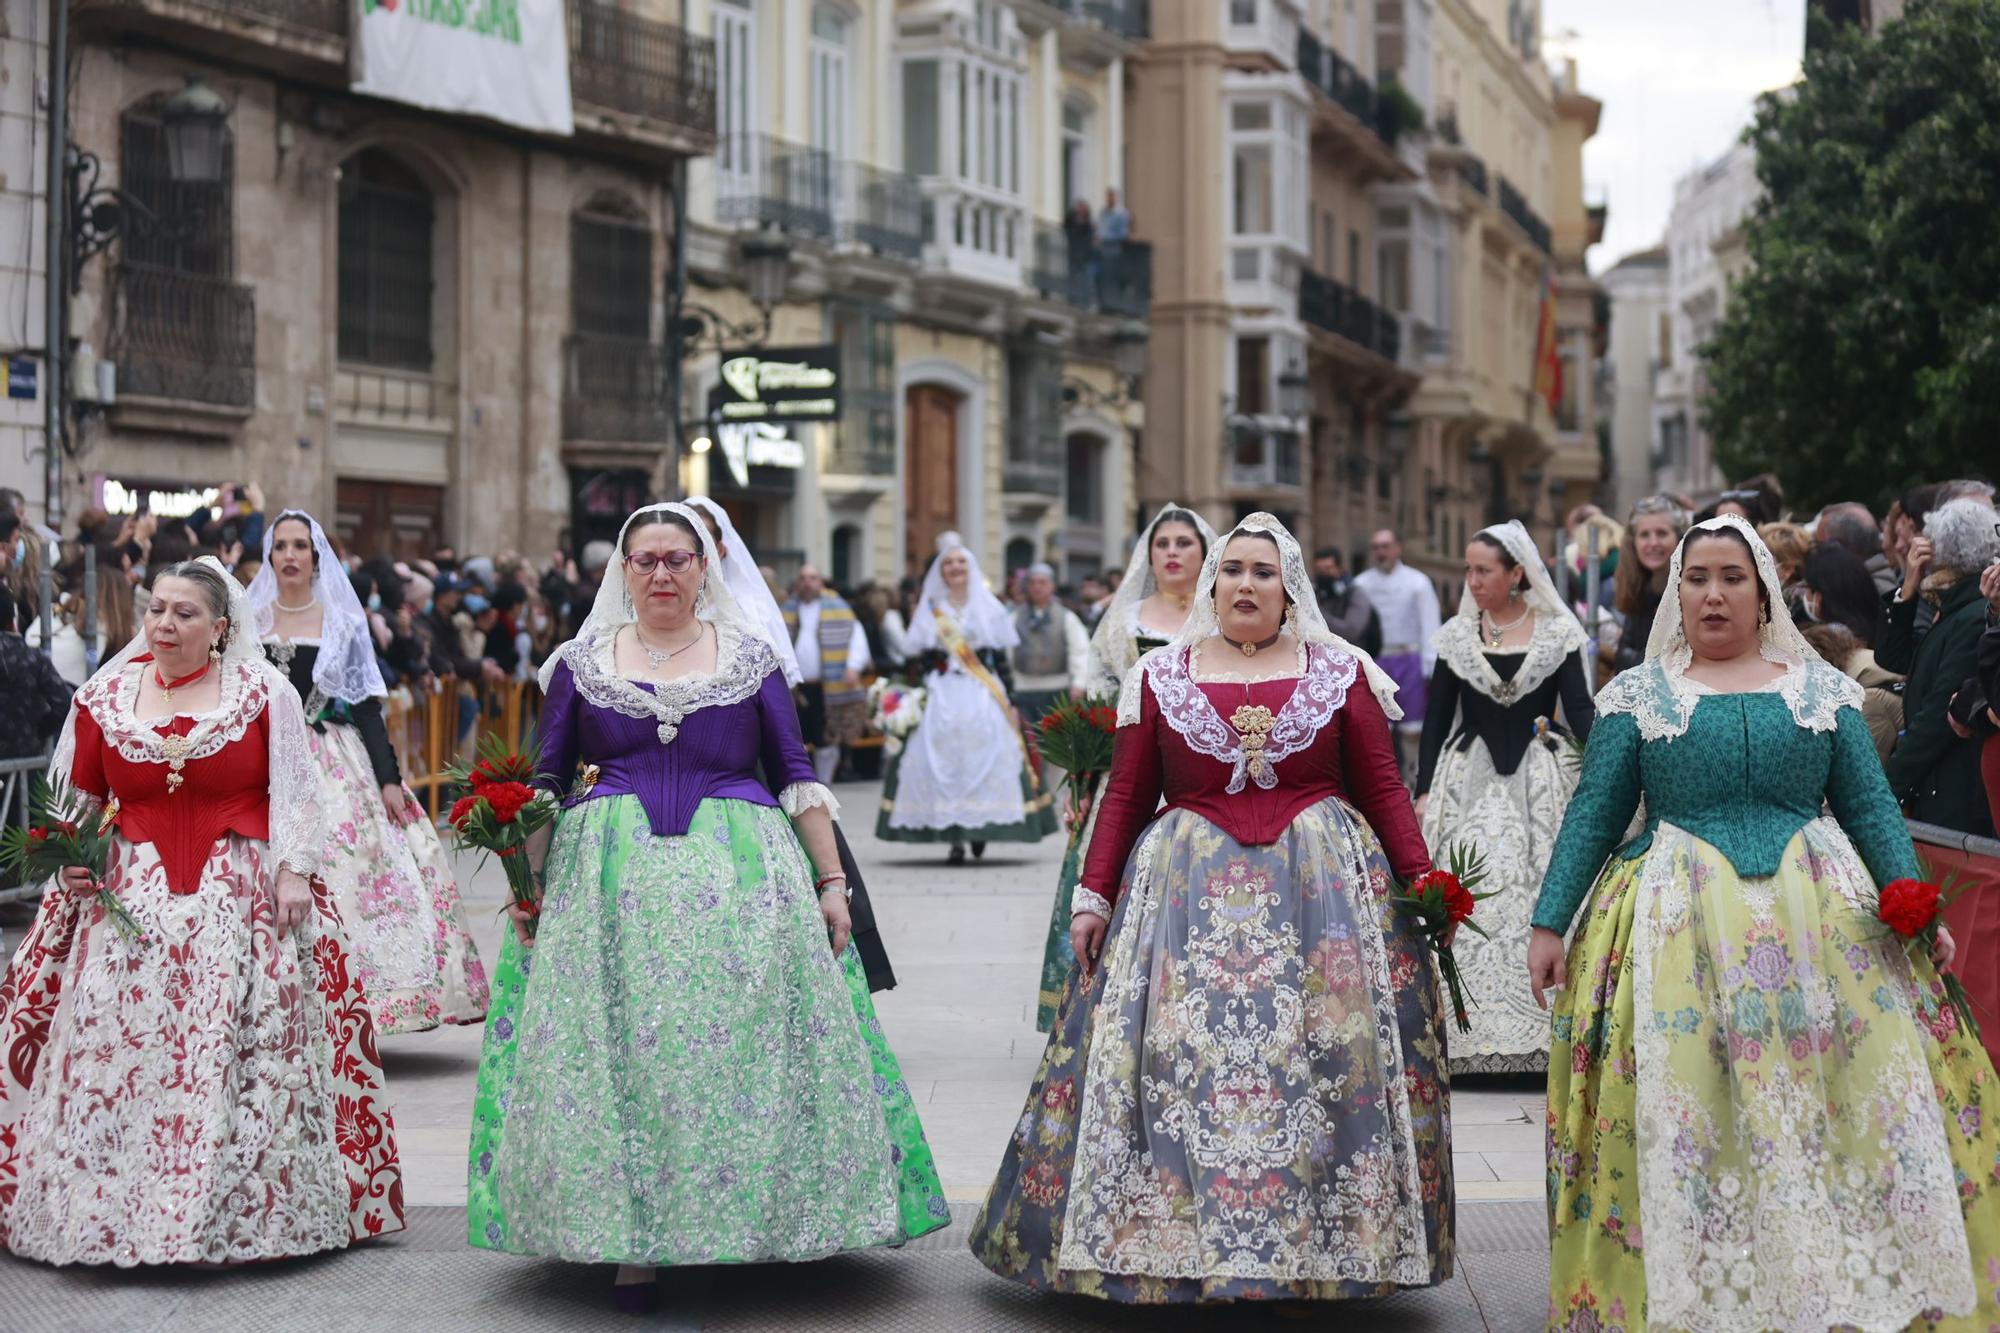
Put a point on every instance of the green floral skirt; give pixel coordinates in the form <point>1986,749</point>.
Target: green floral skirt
<point>1761,1115</point>
<point>679,1072</point>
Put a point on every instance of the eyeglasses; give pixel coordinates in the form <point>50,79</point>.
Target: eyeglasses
<point>645,562</point>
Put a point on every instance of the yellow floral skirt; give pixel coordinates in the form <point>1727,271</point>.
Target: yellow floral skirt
<point>1761,1113</point>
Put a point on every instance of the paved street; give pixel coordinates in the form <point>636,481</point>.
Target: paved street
<point>966,945</point>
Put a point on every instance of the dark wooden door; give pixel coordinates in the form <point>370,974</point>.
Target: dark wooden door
<point>930,472</point>
<point>392,518</point>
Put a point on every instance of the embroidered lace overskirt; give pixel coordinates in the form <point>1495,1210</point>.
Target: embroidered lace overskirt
<point>213,1096</point>
<point>1512,820</point>
<point>679,1072</point>
<point>1760,1114</point>
<point>397,895</point>
<point>1246,1101</point>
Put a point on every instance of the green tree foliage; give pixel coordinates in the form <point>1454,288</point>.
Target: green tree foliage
<point>1862,353</point>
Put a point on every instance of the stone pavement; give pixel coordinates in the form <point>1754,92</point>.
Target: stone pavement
<point>967,948</point>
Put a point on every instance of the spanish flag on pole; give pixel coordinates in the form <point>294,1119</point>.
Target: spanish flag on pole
<point>1548,376</point>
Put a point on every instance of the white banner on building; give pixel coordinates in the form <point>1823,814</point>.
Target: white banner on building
<point>507,60</point>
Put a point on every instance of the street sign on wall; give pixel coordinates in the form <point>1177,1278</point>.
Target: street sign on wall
<point>779,384</point>
<point>506,60</point>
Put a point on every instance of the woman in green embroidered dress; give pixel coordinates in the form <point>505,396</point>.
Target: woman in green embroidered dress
<point>1761,1113</point>
<point>680,1070</point>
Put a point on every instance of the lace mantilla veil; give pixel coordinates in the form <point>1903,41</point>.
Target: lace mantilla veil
<point>250,686</point>
<point>746,583</point>
<point>1113,651</point>
<point>1311,626</point>
<point>1659,694</point>
<point>984,618</point>
<point>345,668</point>
<point>1557,632</point>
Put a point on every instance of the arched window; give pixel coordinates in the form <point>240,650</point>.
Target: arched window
<point>200,230</point>
<point>387,220</point>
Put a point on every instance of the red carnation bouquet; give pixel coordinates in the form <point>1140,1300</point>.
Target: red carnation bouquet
<point>1442,901</point>
<point>1913,909</point>
<point>502,810</point>
<point>1076,736</point>
<point>63,831</point>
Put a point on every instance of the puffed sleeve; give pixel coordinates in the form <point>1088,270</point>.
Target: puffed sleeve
<point>782,747</point>
<point>1369,774</point>
<point>1857,791</point>
<point>557,732</point>
<point>1606,795</point>
<point>1131,796</point>
<point>1440,711</point>
<point>86,772</point>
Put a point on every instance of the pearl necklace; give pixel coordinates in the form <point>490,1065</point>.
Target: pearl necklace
<point>296,610</point>
<point>1495,631</point>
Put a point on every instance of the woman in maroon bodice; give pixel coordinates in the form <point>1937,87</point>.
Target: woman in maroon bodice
<point>207,1091</point>
<point>1245,1095</point>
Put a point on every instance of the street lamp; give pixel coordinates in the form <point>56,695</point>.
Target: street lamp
<point>766,257</point>
<point>1294,393</point>
<point>767,268</point>
<point>197,134</point>
<point>196,125</point>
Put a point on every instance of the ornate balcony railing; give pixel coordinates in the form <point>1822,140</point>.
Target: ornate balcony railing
<point>883,210</point>
<point>1337,78</point>
<point>1329,304</point>
<point>1113,278</point>
<point>771,182</point>
<point>1062,268</point>
<point>637,65</point>
<point>186,336</point>
<point>614,389</point>
<point>1515,205</point>
<point>323,16</point>
<point>1127,18</point>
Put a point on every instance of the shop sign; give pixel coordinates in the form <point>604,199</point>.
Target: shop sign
<point>135,497</point>
<point>745,445</point>
<point>780,384</point>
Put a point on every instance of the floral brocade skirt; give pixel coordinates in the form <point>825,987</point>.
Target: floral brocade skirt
<point>1762,1115</point>
<point>1511,819</point>
<point>679,1072</point>
<point>1247,1100</point>
<point>397,896</point>
<point>210,1095</point>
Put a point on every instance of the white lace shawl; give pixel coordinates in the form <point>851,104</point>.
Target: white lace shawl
<point>1557,633</point>
<point>1319,694</point>
<point>1661,697</point>
<point>753,595</point>
<point>346,668</point>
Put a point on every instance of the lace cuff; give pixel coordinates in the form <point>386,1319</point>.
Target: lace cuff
<point>1091,901</point>
<point>800,797</point>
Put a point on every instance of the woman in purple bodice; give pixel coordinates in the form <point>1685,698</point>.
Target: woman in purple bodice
<point>678,1069</point>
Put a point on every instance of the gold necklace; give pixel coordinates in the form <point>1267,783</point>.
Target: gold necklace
<point>659,657</point>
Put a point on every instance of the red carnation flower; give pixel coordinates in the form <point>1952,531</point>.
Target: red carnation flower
<point>462,808</point>
<point>38,834</point>
<point>1106,719</point>
<point>507,798</point>
<point>1908,906</point>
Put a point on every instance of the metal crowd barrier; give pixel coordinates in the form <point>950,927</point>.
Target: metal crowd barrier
<point>1974,916</point>
<point>425,727</point>
<point>16,777</point>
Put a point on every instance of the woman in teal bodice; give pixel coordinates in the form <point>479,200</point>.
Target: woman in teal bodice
<point>1761,1113</point>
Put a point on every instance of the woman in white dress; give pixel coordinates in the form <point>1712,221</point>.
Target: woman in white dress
<point>1495,774</point>
<point>963,776</point>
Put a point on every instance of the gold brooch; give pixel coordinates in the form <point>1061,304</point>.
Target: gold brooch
<point>591,772</point>
<point>176,748</point>
<point>1253,723</point>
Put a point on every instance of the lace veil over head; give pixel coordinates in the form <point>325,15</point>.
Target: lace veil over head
<point>1309,625</point>
<point>984,617</point>
<point>1557,632</point>
<point>613,608</point>
<point>249,686</point>
<point>753,595</point>
<point>346,668</point>
<point>1112,644</point>
<point>1659,692</point>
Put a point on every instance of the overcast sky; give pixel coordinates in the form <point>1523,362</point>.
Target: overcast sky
<point>1679,80</point>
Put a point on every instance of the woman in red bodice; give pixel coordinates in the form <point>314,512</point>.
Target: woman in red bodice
<point>206,1091</point>
<point>1245,1095</point>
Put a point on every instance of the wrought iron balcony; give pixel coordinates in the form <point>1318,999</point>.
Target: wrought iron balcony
<point>1112,278</point>
<point>1472,171</point>
<point>639,66</point>
<point>1261,457</point>
<point>774,183</point>
<point>883,210</point>
<point>614,389</point>
<point>186,336</point>
<point>1326,303</point>
<point>1337,79</point>
<point>1127,18</point>
<point>1515,205</point>
<point>1035,457</point>
<point>324,16</point>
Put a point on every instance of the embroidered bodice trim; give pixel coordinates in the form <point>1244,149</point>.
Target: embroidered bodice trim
<point>1458,646</point>
<point>742,661</point>
<point>1662,698</point>
<point>1320,693</point>
<point>113,703</point>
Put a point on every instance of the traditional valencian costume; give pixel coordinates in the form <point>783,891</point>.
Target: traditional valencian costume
<point>1761,1114</point>
<point>1499,770</point>
<point>210,1094</point>
<point>1122,638</point>
<point>679,1071</point>
<point>963,776</point>
<point>1247,1100</point>
<point>393,883</point>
